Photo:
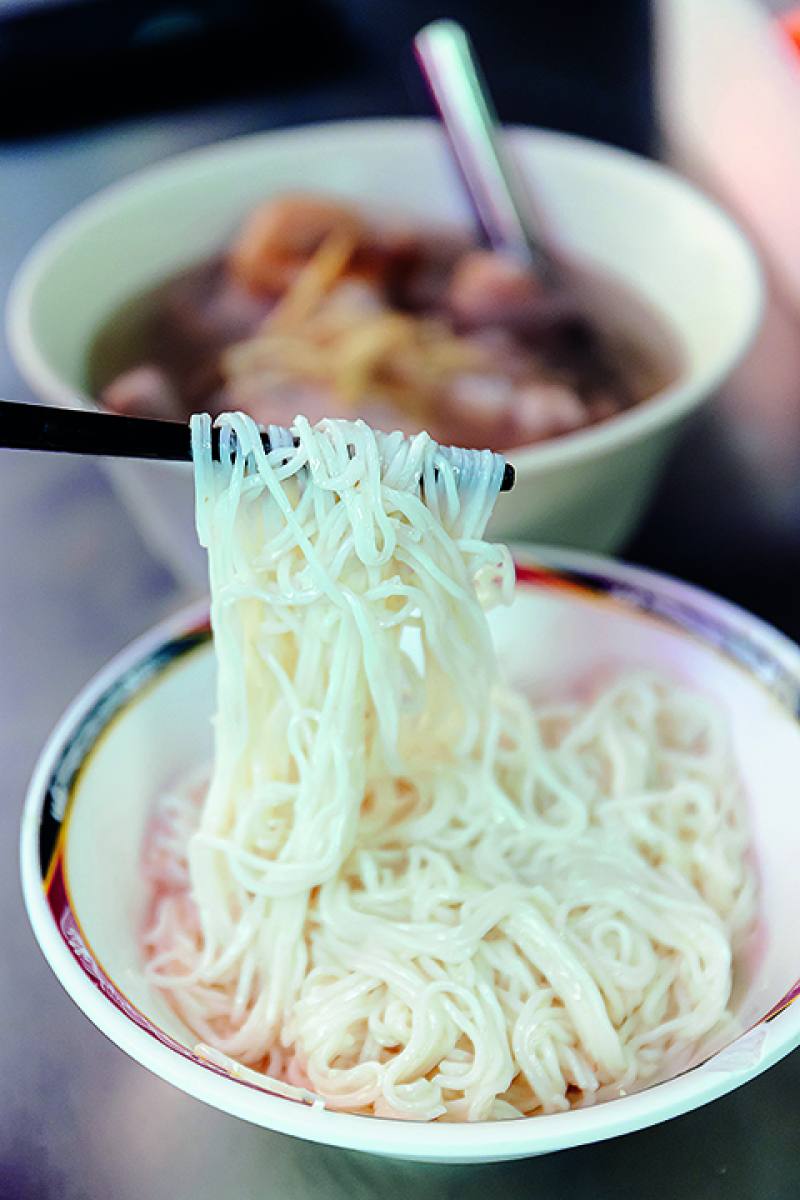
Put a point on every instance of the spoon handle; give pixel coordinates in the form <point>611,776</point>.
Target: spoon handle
<point>501,201</point>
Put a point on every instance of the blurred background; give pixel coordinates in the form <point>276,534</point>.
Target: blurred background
<point>93,90</point>
<point>585,68</point>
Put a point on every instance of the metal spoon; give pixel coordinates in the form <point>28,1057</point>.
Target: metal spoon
<point>508,213</point>
<point>502,202</point>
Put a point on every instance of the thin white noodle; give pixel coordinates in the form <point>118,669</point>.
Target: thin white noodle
<point>408,892</point>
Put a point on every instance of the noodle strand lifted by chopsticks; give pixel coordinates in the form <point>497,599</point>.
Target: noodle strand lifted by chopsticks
<point>405,889</point>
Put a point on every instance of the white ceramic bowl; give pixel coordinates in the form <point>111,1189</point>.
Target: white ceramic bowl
<point>145,720</point>
<point>627,215</point>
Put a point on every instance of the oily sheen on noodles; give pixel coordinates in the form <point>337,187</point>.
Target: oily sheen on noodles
<point>405,889</point>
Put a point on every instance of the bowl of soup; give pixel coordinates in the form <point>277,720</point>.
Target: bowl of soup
<point>335,270</point>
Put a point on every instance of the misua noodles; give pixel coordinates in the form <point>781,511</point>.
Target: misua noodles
<point>404,888</point>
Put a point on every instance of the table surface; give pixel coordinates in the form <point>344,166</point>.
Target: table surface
<point>81,1120</point>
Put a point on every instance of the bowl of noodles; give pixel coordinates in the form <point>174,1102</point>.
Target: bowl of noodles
<point>151,297</point>
<point>488,856</point>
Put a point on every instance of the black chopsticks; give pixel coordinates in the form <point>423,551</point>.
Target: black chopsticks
<point>80,431</point>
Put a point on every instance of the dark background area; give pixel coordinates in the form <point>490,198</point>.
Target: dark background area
<point>583,67</point>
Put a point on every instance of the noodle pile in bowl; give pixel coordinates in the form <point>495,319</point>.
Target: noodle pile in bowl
<point>405,889</point>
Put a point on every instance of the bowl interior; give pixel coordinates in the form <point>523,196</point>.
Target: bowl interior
<point>626,215</point>
<point>146,723</point>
